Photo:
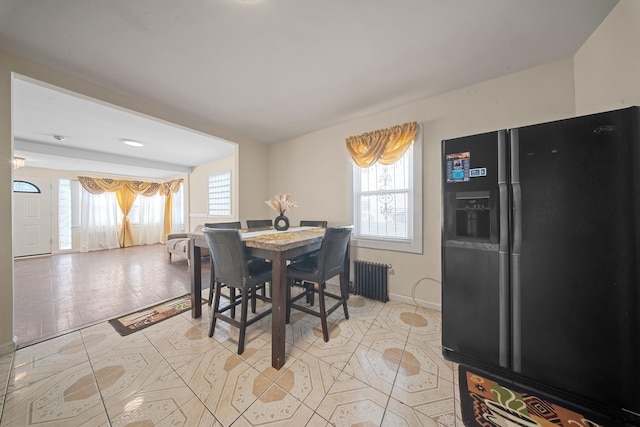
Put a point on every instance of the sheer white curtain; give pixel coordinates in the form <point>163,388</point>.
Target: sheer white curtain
<point>99,224</point>
<point>177,210</point>
<point>150,220</point>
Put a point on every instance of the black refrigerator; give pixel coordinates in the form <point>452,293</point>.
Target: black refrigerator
<point>541,257</point>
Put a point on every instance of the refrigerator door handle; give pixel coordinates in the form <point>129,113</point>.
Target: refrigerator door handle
<point>516,200</point>
<point>503,250</point>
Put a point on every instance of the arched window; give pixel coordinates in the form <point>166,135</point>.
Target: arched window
<point>25,187</point>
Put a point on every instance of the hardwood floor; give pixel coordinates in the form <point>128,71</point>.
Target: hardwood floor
<point>58,294</point>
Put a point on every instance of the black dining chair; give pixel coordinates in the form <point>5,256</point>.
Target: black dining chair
<point>234,270</point>
<point>308,286</point>
<point>328,263</point>
<point>235,225</point>
<point>259,223</point>
<point>307,223</point>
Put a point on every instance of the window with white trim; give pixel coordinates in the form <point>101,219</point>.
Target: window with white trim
<point>220,194</point>
<point>69,196</point>
<point>387,203</point>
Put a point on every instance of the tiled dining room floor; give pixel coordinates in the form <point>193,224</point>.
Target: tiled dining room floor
<point>383,366</point>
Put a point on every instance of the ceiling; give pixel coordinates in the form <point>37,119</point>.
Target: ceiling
<point>58,130</point>
<point>264,70</point>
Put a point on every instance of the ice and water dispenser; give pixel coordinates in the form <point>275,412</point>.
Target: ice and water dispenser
<point>473,216</point>
<point>469,216</point>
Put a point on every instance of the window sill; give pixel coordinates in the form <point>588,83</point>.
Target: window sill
<point>388,245</point>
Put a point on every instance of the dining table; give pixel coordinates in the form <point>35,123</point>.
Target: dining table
<point>277,247</point>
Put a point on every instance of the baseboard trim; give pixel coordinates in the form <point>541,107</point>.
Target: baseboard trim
<point>7,348</point>
<point>420,303</point>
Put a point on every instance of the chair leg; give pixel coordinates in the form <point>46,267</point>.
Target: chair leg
<point>288,314</point>
<point>323,312</point>
<point>344,293</point>
<point>211,286</point>
<point>232,298</point>
<point>253,299</point>
<point>243,320</point>
<point>216,307</point>
<point>308,287</point>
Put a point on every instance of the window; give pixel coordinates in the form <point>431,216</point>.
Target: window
<point>177,219</point>
<point>69,194</point>
<point>220,194</point>
<point>65,232</point>
<point>387,203</point>
<point>24,187</point>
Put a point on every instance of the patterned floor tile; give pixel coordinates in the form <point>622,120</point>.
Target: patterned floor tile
<point>425,392</point>
<point>374,368</point>
<point>336,352</point>
<point>234,386</point>
<point>181,341</point>
<point>339,331</point>
<point>261,360</point>
<point>427,324</point>
<point>308,380</point>
<point>275,407</point>
<point>67,398</point>
<point>419,354</point>
<point>42,368</point>
<point>351,402</point>
<point>401,415</point>
<point>193,413</point>
<point>155,398</point>
<point>122,375</point>
<point>364,307</point>
<point>102,341</point>
<point>69,344</point>
<point>299,334</point>
<point>383,339</point>
<point>318,421</point>
<point>382,366</point>
<point>397,317</point>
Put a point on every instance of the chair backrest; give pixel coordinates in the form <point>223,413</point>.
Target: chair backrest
<point>198,228</point>
<point>228,254</point>
<point>236,225</point>
<point>257,223</point>
<point>333,251</point>
<point>305,223</point>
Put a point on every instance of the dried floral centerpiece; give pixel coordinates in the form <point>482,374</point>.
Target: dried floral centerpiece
<point>281,203</point>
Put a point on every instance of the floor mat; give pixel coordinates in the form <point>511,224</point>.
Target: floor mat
<point>490,401</point>
<point>144,318</point>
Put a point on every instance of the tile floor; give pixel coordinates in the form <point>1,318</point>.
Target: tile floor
<point>383,366</point>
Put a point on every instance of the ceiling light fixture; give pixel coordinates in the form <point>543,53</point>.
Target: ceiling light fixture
<point>133,143</point>
<point>18,162</point>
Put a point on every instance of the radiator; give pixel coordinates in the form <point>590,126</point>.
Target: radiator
<point>370,280</point>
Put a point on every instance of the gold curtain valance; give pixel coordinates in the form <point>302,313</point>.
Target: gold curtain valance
<point>100,185</point>
<point>386,146</point>
<point>126,193</point>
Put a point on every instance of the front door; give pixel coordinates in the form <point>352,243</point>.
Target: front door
<point>31,216</point>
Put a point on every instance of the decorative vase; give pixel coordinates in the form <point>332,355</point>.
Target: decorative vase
<point>281,223</point>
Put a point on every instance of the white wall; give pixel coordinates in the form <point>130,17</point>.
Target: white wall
<point>315,168</point>
<point>608,65</point>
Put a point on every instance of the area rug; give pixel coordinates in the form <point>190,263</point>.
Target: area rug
<point>489,401</point>
<point>149,316</point>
